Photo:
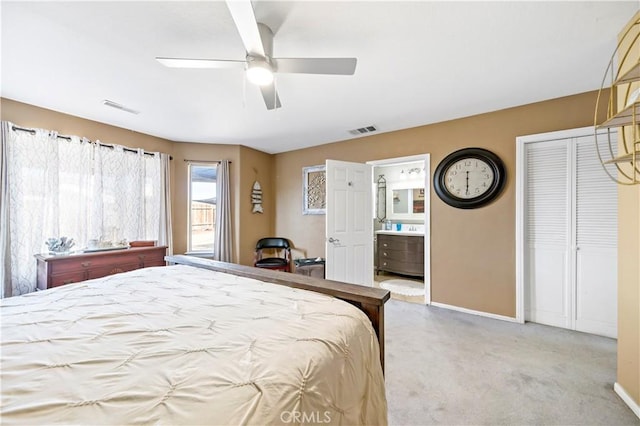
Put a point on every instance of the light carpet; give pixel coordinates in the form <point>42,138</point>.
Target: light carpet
<point>404,287</point>
<point>450,368</point>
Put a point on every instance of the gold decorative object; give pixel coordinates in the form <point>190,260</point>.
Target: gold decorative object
<point>623,110</point>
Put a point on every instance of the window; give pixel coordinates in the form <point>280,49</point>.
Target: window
<point>75,189</point>
<point>202,208</point>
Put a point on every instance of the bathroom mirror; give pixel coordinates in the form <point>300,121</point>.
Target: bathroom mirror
<point>406,200</point>
<point>401,201</point>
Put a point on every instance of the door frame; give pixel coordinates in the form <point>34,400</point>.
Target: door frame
<point>426,158</point>
<point>521,141</point>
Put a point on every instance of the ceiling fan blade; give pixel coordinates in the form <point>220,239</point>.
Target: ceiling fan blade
<point>271,98</point>
<point>336,66</point>
<point>200,63</point>
<point>245,20</point>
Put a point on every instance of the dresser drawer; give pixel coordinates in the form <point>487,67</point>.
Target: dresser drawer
<point>67,278</point>
<point>389,254</point>
<point>59,270</point>
<point>152,258</point>
<point>403,255</point>
<point>400,242</point>
<point>155,262</point>
<point>103,271</point>
<point>400,267</point>
<point>124,257</point>
<point>68,264</point>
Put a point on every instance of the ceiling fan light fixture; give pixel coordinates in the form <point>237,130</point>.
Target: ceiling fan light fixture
<point>259,72</point>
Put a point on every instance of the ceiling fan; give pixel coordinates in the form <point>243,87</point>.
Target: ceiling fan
<point>260,65</point>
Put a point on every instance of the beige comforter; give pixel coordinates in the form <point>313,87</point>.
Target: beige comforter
<point>181,345</point>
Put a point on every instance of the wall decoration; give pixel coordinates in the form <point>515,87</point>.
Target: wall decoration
<point>469,178</point>
<point>418,200</point>
<point>256,198</point>
<point>381,199</point>
<point>314,180</point>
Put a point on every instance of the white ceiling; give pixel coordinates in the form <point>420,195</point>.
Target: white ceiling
<point>418,63</point>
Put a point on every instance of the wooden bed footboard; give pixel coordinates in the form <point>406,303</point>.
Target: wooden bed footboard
<point>368,299</point>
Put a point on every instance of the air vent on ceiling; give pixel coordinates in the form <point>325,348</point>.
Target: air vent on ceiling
<point>116,105</point>
<point>363,130</point>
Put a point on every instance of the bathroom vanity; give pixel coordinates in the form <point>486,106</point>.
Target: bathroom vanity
<point>400,252</point>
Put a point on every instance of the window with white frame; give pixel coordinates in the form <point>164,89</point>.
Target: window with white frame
<point>202,208</point>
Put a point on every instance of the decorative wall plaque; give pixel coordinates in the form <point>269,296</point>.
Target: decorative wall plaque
<point>314,193</point>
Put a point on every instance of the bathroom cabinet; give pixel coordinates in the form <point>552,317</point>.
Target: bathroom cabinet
<point>400,253</point>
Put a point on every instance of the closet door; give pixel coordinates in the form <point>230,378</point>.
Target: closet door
<point>547,287</point>
<point>596,241</point>
<point>570,236</point>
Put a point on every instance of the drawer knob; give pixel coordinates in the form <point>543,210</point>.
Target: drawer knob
<point>384,264</point>
<point>85,264</point>
<point>384,244</point>
<point>68,281</point>
<point>384,254</point>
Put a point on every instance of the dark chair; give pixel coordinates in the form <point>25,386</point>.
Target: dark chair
<point>277,246</point>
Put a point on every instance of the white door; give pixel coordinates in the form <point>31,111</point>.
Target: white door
<point>349,225</point>
<point>596,243</point>
<point>570,236</point>
<point>547,248</point>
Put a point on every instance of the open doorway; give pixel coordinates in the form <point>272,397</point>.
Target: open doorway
<point>401,227</point>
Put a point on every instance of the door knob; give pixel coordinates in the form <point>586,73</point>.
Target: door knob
<point>333,240</point>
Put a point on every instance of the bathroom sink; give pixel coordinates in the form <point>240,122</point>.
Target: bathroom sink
<point>405,229</point>
<point>401,232</point>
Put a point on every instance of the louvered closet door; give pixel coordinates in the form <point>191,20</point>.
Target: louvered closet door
<point>547,237</point>
<point>571,218</point>
<point>596,236</point>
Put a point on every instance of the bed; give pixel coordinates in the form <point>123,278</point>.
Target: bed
<point>197,342</point>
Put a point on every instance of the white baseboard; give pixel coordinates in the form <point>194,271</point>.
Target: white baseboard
<point>627,399</point>
<point>472,312</point>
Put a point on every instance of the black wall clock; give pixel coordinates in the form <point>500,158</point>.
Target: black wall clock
<point>469,178</point>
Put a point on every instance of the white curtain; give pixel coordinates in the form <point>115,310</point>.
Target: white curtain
<point>165,228</point>
<point>5,243</point>
<point>223,247</point>
<point>127,194</point>
<point>67,186</point>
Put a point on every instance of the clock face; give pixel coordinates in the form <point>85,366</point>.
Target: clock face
<point>468,178</point>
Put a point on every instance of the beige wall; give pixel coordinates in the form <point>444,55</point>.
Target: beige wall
<point>629,262</point>
<point>27,115</point>
<point>180,188</point>
<point>472,251</point>
<point>247,227</point>
<point>256,165</point>
<point>247,165</point>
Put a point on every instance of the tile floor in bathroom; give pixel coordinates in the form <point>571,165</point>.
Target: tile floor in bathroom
<point>384,276</point>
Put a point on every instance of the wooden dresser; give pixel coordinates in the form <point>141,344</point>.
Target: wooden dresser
<point>55,271</point>
<point>401,254</point>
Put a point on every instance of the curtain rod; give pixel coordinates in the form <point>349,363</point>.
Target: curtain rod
<point>202,161</point>
<point>68,138</point>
